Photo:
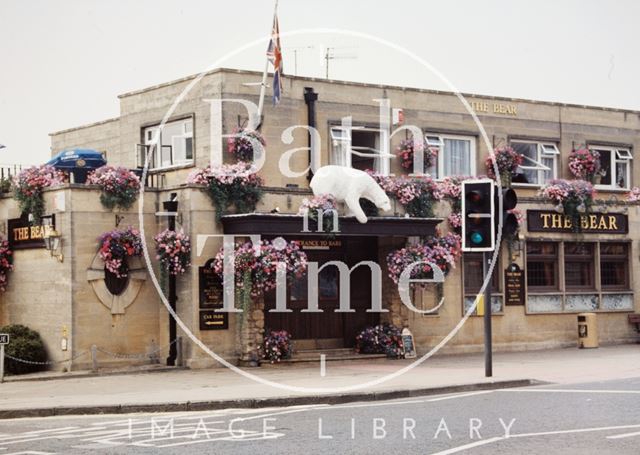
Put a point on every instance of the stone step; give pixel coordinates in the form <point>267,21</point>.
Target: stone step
<point>332,355</point>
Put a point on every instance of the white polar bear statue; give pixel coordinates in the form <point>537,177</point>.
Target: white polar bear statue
<point>349,185</point>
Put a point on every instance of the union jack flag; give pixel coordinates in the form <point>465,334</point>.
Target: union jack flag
<point>274,54</point>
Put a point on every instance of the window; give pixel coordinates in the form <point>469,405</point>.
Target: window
<point>359,148</point>
<point>172,146</point>
<point>455,155</point>
<point>614,265</point>
<point>473,276</point>
<point>542,265</point>
<point>578,265</point>
<point>539,162</point>
<point>578,276</point>
<point>615,164</point>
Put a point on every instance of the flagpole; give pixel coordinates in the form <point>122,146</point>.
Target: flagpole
<point>263,85</point>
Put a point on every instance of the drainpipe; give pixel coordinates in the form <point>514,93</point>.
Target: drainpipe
<point>310,98</point>
<point>172,206</point>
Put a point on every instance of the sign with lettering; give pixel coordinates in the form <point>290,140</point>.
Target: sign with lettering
<point>210,287</point>
<point>320,244</point>
<point>212,320</point>
<point>592,223</point>
<point>23,235</point>
<point>514,285</point>
<point>494,107</point>
<point>4,338</point>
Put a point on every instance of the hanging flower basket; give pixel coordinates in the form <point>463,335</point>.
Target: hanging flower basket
<point>406,151</point>
<point>29,184</point>
<point>6,264</point>
<point>173,249</point>
<point>120,186</point>
<point>244,142</point>
<point>451,190</point>
<point>634,194</point>
<point>585,164</point>
<point>507,161</point>
<point>229,185</point>
<point>572,197</point>
<point>114,247</point>
<point>442,251</point>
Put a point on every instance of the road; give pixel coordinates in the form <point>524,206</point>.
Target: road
<point>593,418</point>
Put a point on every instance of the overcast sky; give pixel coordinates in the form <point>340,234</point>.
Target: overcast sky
<point>65,61</point>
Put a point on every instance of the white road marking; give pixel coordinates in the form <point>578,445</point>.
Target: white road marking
<point>571,391</point>
<point>625,435</point>
<point>462,395</point>
<point>470,445</point>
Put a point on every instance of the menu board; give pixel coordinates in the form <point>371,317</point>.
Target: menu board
<point>514,285</point>
<point>211,298</point>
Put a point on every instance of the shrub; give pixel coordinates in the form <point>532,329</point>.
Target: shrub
<point>25,344</point>
<point>380,339</point>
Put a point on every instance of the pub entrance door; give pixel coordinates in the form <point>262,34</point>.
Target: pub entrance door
<point>329,329</point>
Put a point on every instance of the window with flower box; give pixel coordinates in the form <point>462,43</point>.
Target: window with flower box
<point>456,155</point>
<point>578,276</point>
<point>171,146</point>
<point>539,162</point>
<point>615,165</point>
<point>473,278</point>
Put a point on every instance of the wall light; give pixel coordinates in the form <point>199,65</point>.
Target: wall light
<point>53,243</point>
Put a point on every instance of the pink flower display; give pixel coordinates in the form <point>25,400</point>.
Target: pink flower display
<point>255,267</point>
<point>241,144</point>
<point>29,184</point>
<point>230,184</point>
<point>633,195</point>
<point>119,186</point>
<point>6,264</point>
<point>573,197</point>
<point>507,161</point>
<point>173,249</point>
<point>116,246</point>
<point>451,190</point>
<point>277,345</point>
<point>406,150</point>
<point>585,164</point>
<point>417,195</point>
<point>442,251</point>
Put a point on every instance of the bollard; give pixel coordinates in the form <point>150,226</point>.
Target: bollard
<point>179,351</point>
<point>1,363</point>
<point>94,358</point>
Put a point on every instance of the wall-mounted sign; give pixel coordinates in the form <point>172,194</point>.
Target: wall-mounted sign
<point>319,244</point>
<point>22,235</point>
<point>593,223</point>
<point>212,320</point>
<point>514,285</point>
<point>494,107</point>
<point>210,287</point>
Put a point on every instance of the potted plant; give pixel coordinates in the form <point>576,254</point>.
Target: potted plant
<point>324,203</point>
<point>114,247</point>
<point>572,197</point>
<point>119,186</point>
<point>380,339</point>
<point>277,345</point>
<point>28,187</point>
<point>244,143</point>
<point>6,264</point>
<point>406,151</point>
<point>173,249</point>
<point>229,185</point>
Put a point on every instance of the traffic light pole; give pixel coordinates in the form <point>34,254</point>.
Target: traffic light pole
<point>488,354</point>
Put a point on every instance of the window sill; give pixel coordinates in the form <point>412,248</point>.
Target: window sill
<point>175,167</point>
<point>611,189</point>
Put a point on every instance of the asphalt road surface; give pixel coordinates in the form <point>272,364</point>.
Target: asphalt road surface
<point>596,418</point>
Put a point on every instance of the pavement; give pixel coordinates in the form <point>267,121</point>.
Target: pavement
<point>287,385</point>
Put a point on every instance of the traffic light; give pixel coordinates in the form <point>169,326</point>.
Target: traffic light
<point>509,220</point>
<point>478,213</point>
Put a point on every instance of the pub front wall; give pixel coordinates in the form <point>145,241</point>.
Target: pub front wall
<point>515,328</point>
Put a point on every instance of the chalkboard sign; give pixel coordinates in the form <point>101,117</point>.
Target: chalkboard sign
<point>514,285</point>
<point>408,345</point>
<point>210,287</point>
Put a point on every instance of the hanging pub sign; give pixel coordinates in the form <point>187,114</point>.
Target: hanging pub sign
<point>514,285</point>
<point>22,234</point>
<point>211,294</point>
<point>592,223</point>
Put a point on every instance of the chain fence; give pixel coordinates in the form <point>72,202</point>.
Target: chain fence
<point>150,355</point>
